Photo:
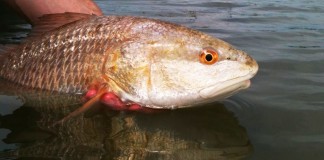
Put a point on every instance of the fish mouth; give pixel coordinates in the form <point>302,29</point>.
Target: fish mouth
<point>224,90</point>
<point>227,88</point>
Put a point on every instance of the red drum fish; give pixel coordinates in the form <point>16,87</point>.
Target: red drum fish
<point>130,63</point>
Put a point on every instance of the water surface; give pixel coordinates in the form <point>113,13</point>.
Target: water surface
<point>280,116</point>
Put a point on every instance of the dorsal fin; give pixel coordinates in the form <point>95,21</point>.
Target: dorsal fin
<point>49,22</point>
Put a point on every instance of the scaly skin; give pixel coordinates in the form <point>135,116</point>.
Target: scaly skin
<point>66,60</point>
<point>71,59</point>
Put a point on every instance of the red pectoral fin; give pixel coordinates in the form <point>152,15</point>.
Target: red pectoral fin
<point>108,99</point>
<point>113,101</point>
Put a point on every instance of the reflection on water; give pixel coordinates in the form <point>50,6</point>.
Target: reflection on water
<point>207,132</point>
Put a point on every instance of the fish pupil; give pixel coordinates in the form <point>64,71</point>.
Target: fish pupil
<point>209,57</point>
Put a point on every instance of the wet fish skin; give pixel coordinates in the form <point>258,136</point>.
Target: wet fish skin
<point>150,62</point>
<point>66,59</point>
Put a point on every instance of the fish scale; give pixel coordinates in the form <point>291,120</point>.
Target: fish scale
<point>61,59</point>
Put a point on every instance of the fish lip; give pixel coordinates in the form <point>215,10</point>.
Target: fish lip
<point>232,86</point>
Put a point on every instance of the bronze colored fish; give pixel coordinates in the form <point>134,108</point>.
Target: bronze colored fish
<point>127,62</point>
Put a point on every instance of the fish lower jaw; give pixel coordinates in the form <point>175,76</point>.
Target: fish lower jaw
<point>226,89</point>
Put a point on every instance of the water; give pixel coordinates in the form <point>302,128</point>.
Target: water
<point>279,117</point>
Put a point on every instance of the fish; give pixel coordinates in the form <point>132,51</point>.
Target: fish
<point>130,63</point>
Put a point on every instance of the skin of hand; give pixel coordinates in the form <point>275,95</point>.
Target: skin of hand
<point>31,10</point>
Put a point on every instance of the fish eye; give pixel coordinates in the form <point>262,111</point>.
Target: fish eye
<point>208,56</point>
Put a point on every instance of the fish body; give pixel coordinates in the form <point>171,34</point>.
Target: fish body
<point>152,63</point>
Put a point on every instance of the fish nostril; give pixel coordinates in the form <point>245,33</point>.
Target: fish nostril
<point>232,58</point>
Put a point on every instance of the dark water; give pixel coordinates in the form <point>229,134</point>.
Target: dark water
<point>280,117</point>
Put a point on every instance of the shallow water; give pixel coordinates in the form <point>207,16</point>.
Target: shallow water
<point>280,116</point>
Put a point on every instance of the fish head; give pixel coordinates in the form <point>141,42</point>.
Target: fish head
<point>180,67</point>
